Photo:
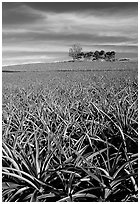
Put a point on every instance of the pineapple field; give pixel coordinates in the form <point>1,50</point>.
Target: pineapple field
<point>70,132</point>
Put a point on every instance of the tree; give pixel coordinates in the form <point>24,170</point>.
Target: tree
<point>80,55</point>
<point>110,56</point>
<point>107,56</point>
<point>74,51</point>
<point>102,54</point>
<point>89,55</point>
<point>96,54</point>
<point>113,55</point>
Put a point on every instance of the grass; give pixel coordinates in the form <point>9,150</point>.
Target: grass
<point>71,142</point>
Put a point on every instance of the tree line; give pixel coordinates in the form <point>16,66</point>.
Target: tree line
<point>76,53</point>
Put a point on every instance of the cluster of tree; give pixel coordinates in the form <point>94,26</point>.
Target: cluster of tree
<point>76,53</point>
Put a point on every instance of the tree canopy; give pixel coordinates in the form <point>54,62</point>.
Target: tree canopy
<point>76,53</point>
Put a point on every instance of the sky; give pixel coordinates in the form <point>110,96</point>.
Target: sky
<point>35,32</point>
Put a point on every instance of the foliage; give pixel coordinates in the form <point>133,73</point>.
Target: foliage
<point>74,51</point>
<point>74,144</point>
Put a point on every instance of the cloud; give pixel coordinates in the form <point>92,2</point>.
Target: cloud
<point>75,27</point>
<point>18,14</point>
<point>83,37</point>
<point>62,7</point>
<point>26,13</point>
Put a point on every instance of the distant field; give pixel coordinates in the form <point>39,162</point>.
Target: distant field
<point>86,65</point>
<point>53,73</point>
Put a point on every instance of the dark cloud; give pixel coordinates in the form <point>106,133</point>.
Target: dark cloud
<point>17,14</point>
<point>82,6</point>
<point>10,5</point>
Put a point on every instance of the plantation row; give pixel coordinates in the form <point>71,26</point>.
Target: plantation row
<point>71,143</point>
